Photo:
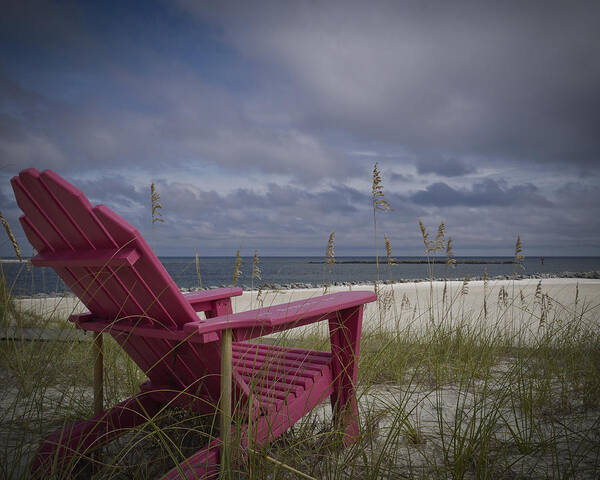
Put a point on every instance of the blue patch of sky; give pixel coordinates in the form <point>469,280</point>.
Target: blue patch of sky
<point>128,36</point>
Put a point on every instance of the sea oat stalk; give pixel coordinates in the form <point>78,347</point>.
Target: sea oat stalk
<point>11,237</point>
<point>237,271</point>
<point>388,250</point>
<point>329,259</point>
<point>465,286</point>
<point>198,271</point>
<point>518,261</point>
<point>330,252</point>
<point>485,288</point>
<point>156,208</point>
<point>440,237</point>
<point>256,273</point>
<point>425,236</point>
<point>450,260</point>
<point>379,204</point>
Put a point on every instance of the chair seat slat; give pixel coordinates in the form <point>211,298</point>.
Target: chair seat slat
<point>274,362</point>
<point>306,357</point>
<point>272,385</point>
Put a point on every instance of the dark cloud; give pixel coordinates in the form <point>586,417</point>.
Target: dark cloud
<point>504,80</point>
<point>578,195</point>
<point>486,193</point>
<point>444,167</point>
<point>206,125</point>
<point>114,191</point>
<point>289,104</point>
<point>400,177</point>
<point>5,201</point>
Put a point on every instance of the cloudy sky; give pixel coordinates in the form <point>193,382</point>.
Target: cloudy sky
<point>260,122</point>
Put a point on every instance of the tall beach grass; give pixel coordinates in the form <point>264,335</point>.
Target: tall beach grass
<point>456,380</point>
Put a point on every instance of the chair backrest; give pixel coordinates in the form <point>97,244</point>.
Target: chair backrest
<point>101,257</point>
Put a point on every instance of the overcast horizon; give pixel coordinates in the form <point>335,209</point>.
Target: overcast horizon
<point>260,122</point>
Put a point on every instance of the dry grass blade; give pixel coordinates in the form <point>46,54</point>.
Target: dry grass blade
<point>256,274</point>
<point>485,288</point>
<point>198,271</point>
<point>11,237</point>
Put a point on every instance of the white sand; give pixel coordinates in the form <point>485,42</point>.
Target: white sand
<point>407,305</point>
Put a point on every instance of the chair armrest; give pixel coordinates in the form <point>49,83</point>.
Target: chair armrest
<point>202,301</point>
<point>255,323</point>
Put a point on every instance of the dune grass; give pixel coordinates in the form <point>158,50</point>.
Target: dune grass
<point>457,398</point>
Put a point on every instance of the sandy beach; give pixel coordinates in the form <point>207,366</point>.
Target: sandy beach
<point>511,306</point>
<point>515,313</point>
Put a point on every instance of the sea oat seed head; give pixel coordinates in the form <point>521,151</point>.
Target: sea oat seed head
<point>156,206</point>
<point>439,238</point>
<point>465,286</point>
<point>256,272</point>
<point>388,250</point>
<point>11,237</point>
<point>450,261</point>
<point>379,203</point>
<point>236,269</point>
<point>425,236</point>
<point>518,255</point>
<point>330,252</point>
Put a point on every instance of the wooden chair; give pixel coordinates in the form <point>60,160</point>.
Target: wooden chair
<point>129,295</point>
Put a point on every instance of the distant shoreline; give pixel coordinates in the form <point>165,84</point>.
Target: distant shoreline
<point>300,286</point>
<point>419,262</point>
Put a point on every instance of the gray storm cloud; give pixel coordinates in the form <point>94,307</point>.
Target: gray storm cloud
<point>509,79</point>
<point>481,114</point>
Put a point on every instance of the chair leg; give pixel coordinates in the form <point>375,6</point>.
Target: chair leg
<point>345,332</point>
<point>63,448</point>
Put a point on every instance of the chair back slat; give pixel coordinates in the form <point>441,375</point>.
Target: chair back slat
<point>62,225</point>
<point>78,208</point>
<point>56,214</point>
<point>37,216</point>
<point>147,280</point>
<point>71,278</point>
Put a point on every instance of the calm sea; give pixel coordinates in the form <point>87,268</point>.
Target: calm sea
<point>290,271</point>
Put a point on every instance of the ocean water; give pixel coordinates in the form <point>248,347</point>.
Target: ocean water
<point>291,271</point>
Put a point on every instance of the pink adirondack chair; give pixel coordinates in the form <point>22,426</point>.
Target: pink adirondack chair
<point>129,295</point>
